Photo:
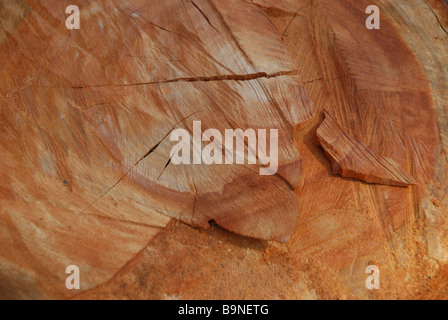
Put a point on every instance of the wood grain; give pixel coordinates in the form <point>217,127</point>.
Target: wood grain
<point>344,225</point>
<point>353,159</point>
<point>86,116</point>
<point>72,131</point>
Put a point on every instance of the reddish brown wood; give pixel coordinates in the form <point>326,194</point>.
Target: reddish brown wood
<point>353,159</point>
<point>80,112</point>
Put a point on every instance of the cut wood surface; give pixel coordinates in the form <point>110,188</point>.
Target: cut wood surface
<point>353,159</point>
<point>86,179</point>
<point>87,117</point>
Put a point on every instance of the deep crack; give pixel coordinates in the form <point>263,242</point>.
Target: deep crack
<point>229,77</point>
<point>163,170</point>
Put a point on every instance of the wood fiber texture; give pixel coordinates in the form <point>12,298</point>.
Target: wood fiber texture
<point>353,159</point>
<point>86,180</point>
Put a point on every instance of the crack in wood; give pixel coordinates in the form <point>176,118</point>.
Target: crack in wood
<point>140,160</point>
<point>230,77</point>
<point>290,22</point>
<point>437,18</point>
<point>204,15</point>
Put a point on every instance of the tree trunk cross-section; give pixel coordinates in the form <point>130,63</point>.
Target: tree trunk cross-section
<point>87,114</point>
<point>86,177</point>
